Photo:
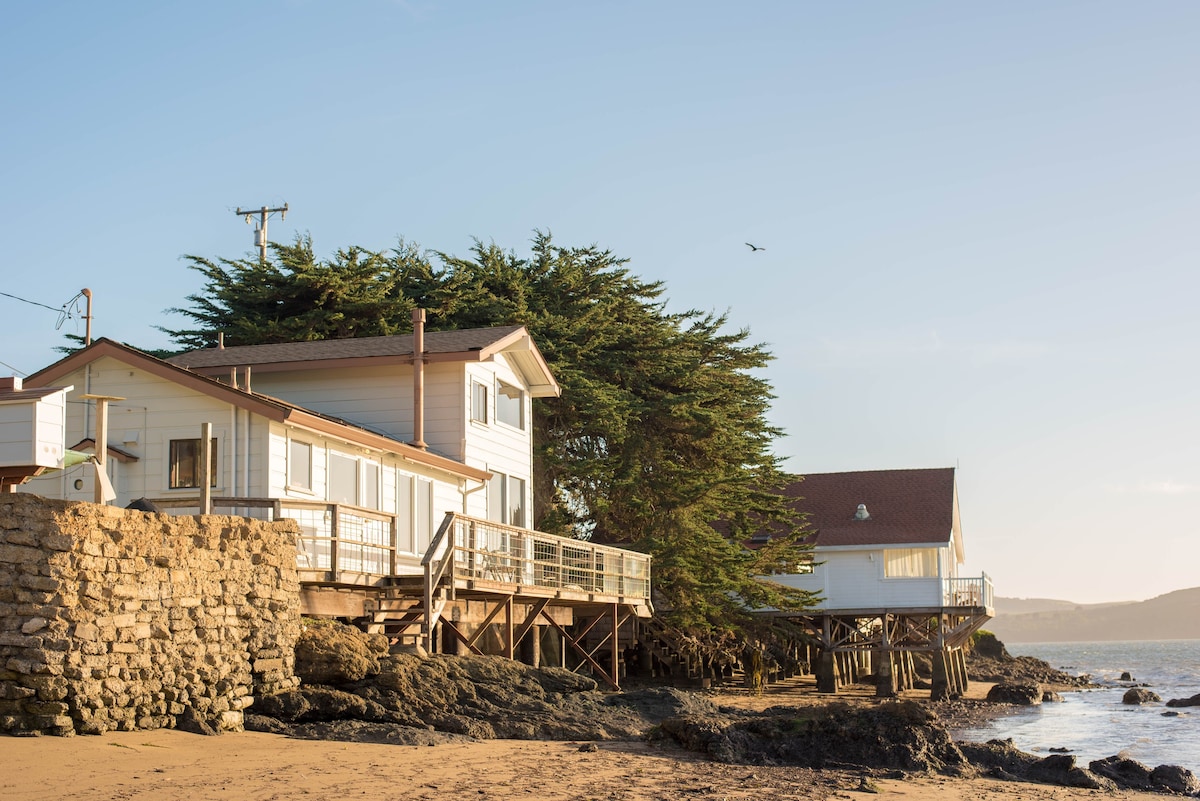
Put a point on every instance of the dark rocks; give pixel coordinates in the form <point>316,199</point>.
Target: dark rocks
<point>1175,779</point>
<point>899,735</point>
<point>1177,702</point>
<point>1126,676</point>
<point>1128,773</point>
<point>1137,696</point>
<point>1020,669</point>
<point>1021,694</point>
<point>190,721</point>
<point>1051,697</point>
<point>1061,769</point>
<point>480,697</point>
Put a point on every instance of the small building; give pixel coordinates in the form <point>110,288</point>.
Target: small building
<point>407,462</point>
<point>32,431</point>
<point>887,548</point>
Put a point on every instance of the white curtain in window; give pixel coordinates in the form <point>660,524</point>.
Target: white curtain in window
<point>910,563</point>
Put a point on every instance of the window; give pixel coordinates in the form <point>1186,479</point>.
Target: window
<point>910,563</point>
<point>299,465</point>
<point>423,534</point>
<point>506,500</point>
<point>185,463</point>
<point>343,479</point>
<point>516,502</point>
<point>510,405</point>
<point>370,494</point>
<point>479,393</point>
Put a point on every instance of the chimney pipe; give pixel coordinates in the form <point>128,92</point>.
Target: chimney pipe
<point>418,318</point>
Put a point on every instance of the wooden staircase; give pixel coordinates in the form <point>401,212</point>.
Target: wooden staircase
<point>401,612</point>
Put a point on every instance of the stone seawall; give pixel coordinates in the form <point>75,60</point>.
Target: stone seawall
<point>113,619</point>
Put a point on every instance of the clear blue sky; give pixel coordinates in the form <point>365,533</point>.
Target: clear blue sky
<point>980,220</point>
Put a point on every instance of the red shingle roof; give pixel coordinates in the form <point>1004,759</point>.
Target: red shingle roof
<point>905,506</point>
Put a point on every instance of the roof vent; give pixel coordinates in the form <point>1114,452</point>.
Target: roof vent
<point>861,513</point>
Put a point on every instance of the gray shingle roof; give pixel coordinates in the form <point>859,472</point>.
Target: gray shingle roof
<point>463,341</point>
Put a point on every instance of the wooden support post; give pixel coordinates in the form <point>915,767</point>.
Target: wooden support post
<point>616,645</point>
<point>962,662</point>
<point>827,672</point>
<point>553,653</point>
<point>508,628</point>
<point>941,688</point>
<point>531,647</point>
<point>885,673</point>
<point>205,469</point>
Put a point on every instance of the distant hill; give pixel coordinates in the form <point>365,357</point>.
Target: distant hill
<point>1174,616</point>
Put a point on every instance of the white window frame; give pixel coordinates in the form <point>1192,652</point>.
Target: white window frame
<point>329,476</point>
<point>501,490</point>
<point>292,479</point>
<point>369,486</point>
<point>520,401</point>
<point>479,406</point>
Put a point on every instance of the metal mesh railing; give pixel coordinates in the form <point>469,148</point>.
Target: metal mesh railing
<point>510,555</point>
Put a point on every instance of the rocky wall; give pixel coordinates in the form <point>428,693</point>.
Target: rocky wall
<point>115,619</point>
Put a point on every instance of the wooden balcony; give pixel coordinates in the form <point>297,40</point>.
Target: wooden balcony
<point>350,546</point>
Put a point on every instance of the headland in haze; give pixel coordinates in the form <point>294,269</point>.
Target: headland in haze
<point>1173,616</point>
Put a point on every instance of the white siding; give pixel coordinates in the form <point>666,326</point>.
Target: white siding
<point>154,412</point>
<point>381,399</point>
<point>17,434</point>
<point>496,446</point>
<point>854,579</point>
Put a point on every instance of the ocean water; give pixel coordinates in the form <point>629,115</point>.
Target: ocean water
<point>1094,724</point>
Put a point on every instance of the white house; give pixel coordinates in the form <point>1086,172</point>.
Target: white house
<point>330,422</point>
<point>406,460</point>
<point>884,540</point>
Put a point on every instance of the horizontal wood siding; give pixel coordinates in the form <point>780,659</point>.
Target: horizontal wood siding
<point>496,446</point>
<point>855,580</point>
<point>379,398</point>
<point>154,412</point>
<point>17,434</point>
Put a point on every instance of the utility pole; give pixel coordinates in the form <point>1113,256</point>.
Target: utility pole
<point>87,337</point>
<point>260,232</point>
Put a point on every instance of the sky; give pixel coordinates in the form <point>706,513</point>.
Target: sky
<point>979,221</point>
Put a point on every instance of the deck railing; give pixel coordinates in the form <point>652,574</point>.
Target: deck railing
<point>968,592</point>
<point>350,542</point>
<point>482,550</point>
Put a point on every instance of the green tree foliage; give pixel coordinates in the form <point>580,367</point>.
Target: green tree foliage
<point>661,427</point>
<point>294,297</point>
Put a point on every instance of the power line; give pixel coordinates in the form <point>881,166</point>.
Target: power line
<point>35,303</point>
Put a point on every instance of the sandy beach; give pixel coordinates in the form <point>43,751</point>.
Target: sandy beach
<point>166,765</point>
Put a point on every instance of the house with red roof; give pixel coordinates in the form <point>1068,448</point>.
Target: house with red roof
<point>884,539</point>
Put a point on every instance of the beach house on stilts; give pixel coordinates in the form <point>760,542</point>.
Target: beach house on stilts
<point>887,550</point>
<point>406,461</point>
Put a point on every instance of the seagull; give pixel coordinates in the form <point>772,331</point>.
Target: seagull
<point>754,247</point>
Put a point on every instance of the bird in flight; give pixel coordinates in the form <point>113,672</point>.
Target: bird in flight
<point>754,247</point>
